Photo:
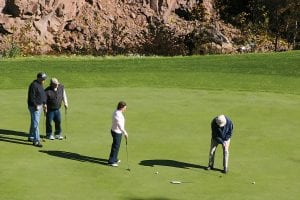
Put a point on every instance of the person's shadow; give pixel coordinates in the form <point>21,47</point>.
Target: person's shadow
<point>16,137</point>
<point>170,163</point>
<point>174,163</point>
<point>75,156</point>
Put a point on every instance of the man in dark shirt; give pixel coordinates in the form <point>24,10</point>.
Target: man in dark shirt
<point>55,95</point>
<point>36,103</point>
<point>221,128</point>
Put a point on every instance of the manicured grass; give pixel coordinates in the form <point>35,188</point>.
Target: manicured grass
<point>255,72</point>
<point>169,127</point>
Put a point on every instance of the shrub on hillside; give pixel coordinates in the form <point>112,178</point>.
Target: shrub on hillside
<point>163,40</point>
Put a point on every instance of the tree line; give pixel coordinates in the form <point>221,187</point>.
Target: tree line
<point>278,19</point>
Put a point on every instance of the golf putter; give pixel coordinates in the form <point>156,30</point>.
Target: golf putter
<point>44,122</point>
<point>128,169</point>
<point>66,123</point>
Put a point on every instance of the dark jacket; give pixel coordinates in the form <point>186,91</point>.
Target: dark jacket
<point>36,94</point>
<point>221,134</point>
<point>54,98</point>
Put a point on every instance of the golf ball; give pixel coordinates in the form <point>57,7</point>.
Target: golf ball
<point>253,182</point>
<point>156,172</point>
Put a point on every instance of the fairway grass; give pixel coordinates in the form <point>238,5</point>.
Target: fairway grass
<point>171,102</point>
<point>169,129</point>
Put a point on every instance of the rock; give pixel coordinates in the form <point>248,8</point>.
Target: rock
<point>132,15</point>
<point>73,25</point>
<point>70,26</point>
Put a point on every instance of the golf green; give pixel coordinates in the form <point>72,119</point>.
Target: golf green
<point>168,121</point>
<point>169,134</point>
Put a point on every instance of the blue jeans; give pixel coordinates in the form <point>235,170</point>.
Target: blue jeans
<point>117,138</point>
<point>34,123</point>
<point>53,115</point>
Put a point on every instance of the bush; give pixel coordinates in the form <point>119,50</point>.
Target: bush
<point>12,52</point>
<point>163,40</point>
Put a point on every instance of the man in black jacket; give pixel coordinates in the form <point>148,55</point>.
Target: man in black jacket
<point>55,95</point>
<point>221,128</point>
<point>36,101</point>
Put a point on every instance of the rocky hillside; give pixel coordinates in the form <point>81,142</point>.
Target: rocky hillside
<point>108,27</point>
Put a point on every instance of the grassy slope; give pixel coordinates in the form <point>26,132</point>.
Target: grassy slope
<point>250,72</point>
<point>164,124</point>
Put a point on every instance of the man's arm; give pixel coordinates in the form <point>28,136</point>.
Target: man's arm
<point>230,131</point>
<point>121,126</point>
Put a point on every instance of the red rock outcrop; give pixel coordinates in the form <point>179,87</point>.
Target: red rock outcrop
<point>101,26</point>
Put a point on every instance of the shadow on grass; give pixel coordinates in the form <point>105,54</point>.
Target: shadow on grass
<point>174,163</point>
<point>76,156</point>
<point>12,137</point>
<point>150,198</point>
<point>170,163</point>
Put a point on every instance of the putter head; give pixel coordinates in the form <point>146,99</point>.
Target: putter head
<point>128,169</point>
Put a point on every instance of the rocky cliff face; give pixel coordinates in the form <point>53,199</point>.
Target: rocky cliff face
<point>103,27</point>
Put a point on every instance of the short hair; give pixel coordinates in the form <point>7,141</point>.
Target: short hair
<point>121,105</point>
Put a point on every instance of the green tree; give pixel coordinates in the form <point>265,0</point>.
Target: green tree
<point>284,17</point>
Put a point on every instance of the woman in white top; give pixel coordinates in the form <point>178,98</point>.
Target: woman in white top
<point>117,129</point>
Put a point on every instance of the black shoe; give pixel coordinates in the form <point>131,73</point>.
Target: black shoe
<point>225,171</point>
<point>37,144</point>
<point>209,168</point>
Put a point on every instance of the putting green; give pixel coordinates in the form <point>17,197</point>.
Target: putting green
<point>169,133</point>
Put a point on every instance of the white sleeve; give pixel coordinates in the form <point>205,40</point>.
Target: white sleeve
<point>121,123</point>
<point>65,99</point>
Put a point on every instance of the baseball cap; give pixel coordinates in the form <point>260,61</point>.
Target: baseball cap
<point>221,120</point>
<point>42,75</point>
